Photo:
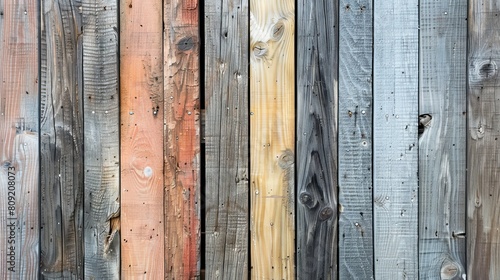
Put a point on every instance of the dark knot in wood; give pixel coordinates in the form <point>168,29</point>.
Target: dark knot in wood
<point>185,44</point>
<point>307,200</point>
<point>326,213</point>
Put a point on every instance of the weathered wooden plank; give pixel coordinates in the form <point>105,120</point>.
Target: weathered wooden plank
<point>483,147</point>
<point>226,139</point>
<point>355,141</point>
<point>182,139</point>
<point>442,140</point>
<point>141,161</point>
<point>101,139</point>
<point>317,80</point>
<point>61,125</point>
<point>272,141</point>
<point>19,140</point>
<point>395,139</point>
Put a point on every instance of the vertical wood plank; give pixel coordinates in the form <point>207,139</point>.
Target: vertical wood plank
<point>355,140</point>
<point>317,80</point>
<point>226,139</point>
<point>141,160</point>
<point>442,139</point>
<point>19,140</point>
<point>395,139</point>
<point>101,139</point>
<point>61,121</point>
<point>182,139</point>
<point>272,141</point>
<point>483,147</point>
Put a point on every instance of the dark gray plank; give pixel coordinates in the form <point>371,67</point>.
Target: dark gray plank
<point>355,140</point>
<point>442,140</point>
<point>317,77</point>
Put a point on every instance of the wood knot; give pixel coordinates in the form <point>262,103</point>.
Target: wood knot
<point>423,122</point>
<point>449,270</point>
<point>286,159</point>
<point>186,43</point>
<point>308,200</point>
<point>325,213</point>
<point>487,69</point>
<point>278,30</point>
<point>260,49</point>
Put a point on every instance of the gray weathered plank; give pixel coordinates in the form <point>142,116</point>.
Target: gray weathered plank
<point>483,147</point>
<point>442,141</point>
<point>395,139</point>
<point>355,141</point>
<point>101,139</point>
<point>61,151</point>
<point>226,138</point>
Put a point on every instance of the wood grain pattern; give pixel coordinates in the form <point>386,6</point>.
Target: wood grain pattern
<point>355,140</point>
<point>317,80</point>
<point>483,147</point>
<point>182,139</point>
<point>19,140</point>
<point>226,139</point>
<point>395,139</point>
<point>272,141</point>
<point>101,139</point>
<point>141,161</point>
<point>61,125</point>
<point>442,142</point>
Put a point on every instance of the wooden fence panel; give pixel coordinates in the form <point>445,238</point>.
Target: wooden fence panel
<point>226,139</point>
<point>442,139</point>
<point>182,139</point>
<point>272,141</point>
<point>61,125</point>
<point>395,139</point>
<point>317,41</point>
<point>355,140</point>
<point>19,140</point>
<point>483,147</point>
<point>141,115</point>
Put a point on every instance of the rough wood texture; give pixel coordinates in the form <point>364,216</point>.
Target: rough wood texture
<point>182,139</point>
<point>442,140</point>
<point>395,139</point>
<point>317,79</point>
<point>483,147</point>
<point>272,139</point>
<point>19,146</point>
<point>141,112</point>
<point>101,139</point>
<point>226,139</point>
<point>61,147</point>
<point>355,141</point>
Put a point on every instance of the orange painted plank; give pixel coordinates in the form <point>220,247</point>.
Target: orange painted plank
<point>141,81</point>
<point>182,139</point>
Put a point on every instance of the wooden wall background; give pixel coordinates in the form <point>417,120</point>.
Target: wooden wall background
<point>235,139</point>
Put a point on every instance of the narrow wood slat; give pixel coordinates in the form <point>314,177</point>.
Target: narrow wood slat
<point>141,160</point>
<point>19,140</point>
<point>317,80</point>
<point>182,139</point>
<point>101,139</point>
<point>226,139</point>
<point>483,147</point>
<point>272,141</point>
<point>355,140</point>
<point>395,139</point>
<point>61,121</point>
<point>442,139</point>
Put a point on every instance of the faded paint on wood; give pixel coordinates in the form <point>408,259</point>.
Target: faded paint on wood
<point>101,139</point>
<point>182,139</point>
<point>442,139</point>
<point>141,160</point>
<point>61,125</point>
<point>355,140</point>
<point>483,146</point>
<point>395,139</point>
<point>19,150</point>
<point>317,80</point>
<point>226,139</point>
<point>272,141</point>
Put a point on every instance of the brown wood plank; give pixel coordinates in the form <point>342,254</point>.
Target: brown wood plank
<point>226,139</point>
<point>61,121</point>
<point>141,160</point>
<point>182,139</point>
